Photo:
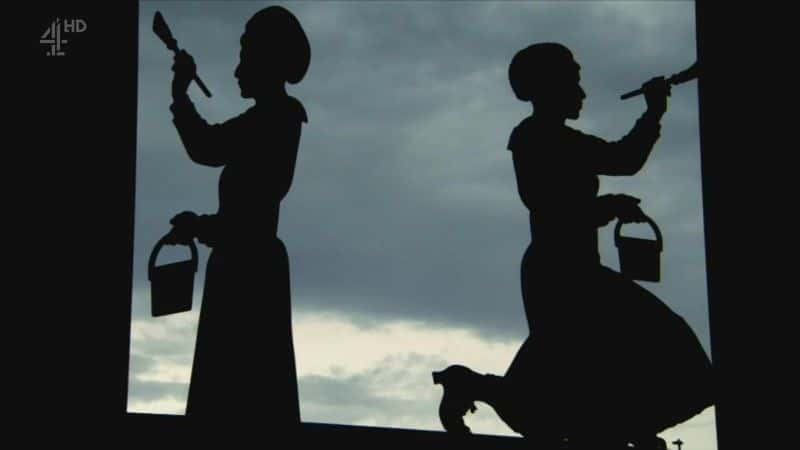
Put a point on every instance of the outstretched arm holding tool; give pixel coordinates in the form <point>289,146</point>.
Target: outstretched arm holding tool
<point>203,145</point>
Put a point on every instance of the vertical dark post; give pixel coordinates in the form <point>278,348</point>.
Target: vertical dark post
<point>679,443</point>
<point>116,151</point>
<point>83,153</point>
<point>719,191</point>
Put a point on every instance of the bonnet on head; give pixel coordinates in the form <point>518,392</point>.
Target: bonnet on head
<point>277,33</point>
<point>537,65</point>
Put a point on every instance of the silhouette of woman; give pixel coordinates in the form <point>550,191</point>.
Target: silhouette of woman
<point>606,361</point>
<point>244,357</point>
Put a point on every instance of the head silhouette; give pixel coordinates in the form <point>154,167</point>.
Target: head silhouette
<point>547,75</point>
<point>275,50</point>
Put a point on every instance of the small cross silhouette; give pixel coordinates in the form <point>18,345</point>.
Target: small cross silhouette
<point>679,443</point>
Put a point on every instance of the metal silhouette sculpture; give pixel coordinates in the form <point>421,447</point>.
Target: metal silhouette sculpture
<point>244,367</point>
<point>593,371</point>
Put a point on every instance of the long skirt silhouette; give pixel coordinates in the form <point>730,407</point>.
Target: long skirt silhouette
<point>605,357</point>
<point>244,367</point>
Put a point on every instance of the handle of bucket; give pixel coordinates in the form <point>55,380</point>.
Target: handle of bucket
<point>659,239</point>
<point>154,255</point>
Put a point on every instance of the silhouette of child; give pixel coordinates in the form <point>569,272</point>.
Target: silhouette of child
<point>244,364</point>
<point>606,361</point>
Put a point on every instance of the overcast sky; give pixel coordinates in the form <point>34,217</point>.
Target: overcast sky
<point>403,226</point>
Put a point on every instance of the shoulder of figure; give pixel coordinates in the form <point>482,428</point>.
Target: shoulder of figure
<point>297,110</point>
<point>532,133</point>
<point>286,111</point>
<point>521,135</point>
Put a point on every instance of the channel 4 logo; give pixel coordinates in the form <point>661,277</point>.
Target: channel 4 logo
<point>53,36</point>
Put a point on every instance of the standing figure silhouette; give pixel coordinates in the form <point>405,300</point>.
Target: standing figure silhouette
<point>606,361</point>
<point>244,365</point>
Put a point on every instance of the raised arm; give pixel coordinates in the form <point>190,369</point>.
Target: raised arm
<point>628,155</point>
<point>204,143</point>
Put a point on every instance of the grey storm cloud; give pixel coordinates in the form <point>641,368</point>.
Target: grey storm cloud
<point>143,389</point>
<point>174,345</point>
<point>404,203</point>
<point>140,363</point>
<point>156,390</point>
<point>362,396</point>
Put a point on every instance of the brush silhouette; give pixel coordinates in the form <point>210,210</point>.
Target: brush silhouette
<point>161,29</point>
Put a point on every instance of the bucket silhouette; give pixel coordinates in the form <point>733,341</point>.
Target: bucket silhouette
<point>171,285</point>
<point>639,259</point>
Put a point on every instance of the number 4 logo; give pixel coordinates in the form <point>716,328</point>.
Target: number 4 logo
<point>52,36</point>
